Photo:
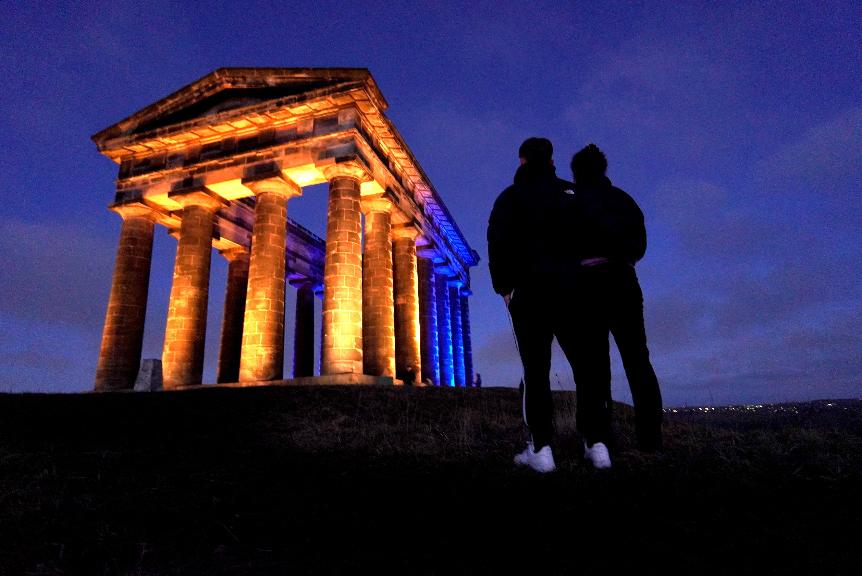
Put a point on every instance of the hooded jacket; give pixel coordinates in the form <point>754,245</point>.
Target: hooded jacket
<point>525,229</point>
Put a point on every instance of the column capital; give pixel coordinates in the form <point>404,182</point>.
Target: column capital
<point>454,282</point>
<point>134,209</point>
<point>300,282</point>
<point>379,203</point>
<point>348,169</point>
<point>425,242</point>
<point>197,197</point>
<point>427,248</point>
<point>279,185</point>
<point>235,253</point>
<point>410,231</point>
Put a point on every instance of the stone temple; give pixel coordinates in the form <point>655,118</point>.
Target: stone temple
<point>217,163</point>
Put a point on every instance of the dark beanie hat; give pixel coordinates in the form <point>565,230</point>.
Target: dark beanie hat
<point>536,151</point>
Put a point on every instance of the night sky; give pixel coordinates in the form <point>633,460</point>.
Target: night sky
<point>737,128</point>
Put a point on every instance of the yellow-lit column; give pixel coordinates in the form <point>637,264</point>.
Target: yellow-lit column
<point>262,356</point>
<point>408,363</point>
<point>378,316</point>
<point>234,311</point>
<point>123,333</point>
<point>185,331</point>
<point>342,277</point>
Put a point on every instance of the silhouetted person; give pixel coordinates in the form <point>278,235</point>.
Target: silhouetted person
<point>477,380</point>
<point>610,237</point>
<point>529,269</point>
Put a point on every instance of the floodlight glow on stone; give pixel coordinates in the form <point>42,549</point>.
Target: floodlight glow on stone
<point>221,178</point>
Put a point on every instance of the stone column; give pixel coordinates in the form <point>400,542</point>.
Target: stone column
<point>457,335</point>
<point>408,362</point>
<point>262,356</point>
<point>378,316</point>
<point>123,333</point>
<point>444,332</point>
<point>185,331</point>
<point>234,311</point>
<point>303,331</point>
<point>465,333</point>
<point>428,321</point>
<point>342,277</point>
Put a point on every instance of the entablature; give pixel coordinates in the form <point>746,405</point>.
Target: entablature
<point>233,123</point>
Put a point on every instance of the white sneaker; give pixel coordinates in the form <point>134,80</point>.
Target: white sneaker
<point>598,455</point>
<point>541,461</point>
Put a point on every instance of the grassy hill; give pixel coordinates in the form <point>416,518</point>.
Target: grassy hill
<point>325,479</point>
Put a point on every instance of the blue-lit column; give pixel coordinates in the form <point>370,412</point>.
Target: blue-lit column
<point>465,333</point>
<point>444,332</point>
<point>428,321</point>
<point>457,334</point>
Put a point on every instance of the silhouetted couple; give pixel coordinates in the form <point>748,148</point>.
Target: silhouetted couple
<point>562,255</point>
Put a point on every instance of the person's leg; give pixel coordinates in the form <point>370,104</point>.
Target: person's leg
<point>627,327</point>
<point>534,334</point>
<point>582,332</point>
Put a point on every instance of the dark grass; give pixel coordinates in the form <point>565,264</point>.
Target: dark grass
<point>371,479</point>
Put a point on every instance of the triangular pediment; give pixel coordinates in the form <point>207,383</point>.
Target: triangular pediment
<point>228,88</point>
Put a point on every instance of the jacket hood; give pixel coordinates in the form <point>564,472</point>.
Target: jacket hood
<point>528,173</point>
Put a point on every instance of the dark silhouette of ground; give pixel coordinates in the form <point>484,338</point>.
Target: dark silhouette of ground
<point>414,480</point>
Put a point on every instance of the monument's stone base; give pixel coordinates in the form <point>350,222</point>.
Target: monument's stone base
<point>332,379</point>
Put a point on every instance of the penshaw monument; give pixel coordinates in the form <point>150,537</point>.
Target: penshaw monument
<point>217,163</point>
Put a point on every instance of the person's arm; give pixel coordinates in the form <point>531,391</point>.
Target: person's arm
<point>634,240</point>
<point>500,238</point>
<point>639,238</point>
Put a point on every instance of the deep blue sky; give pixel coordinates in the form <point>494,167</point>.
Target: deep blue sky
<point>737,127</point>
